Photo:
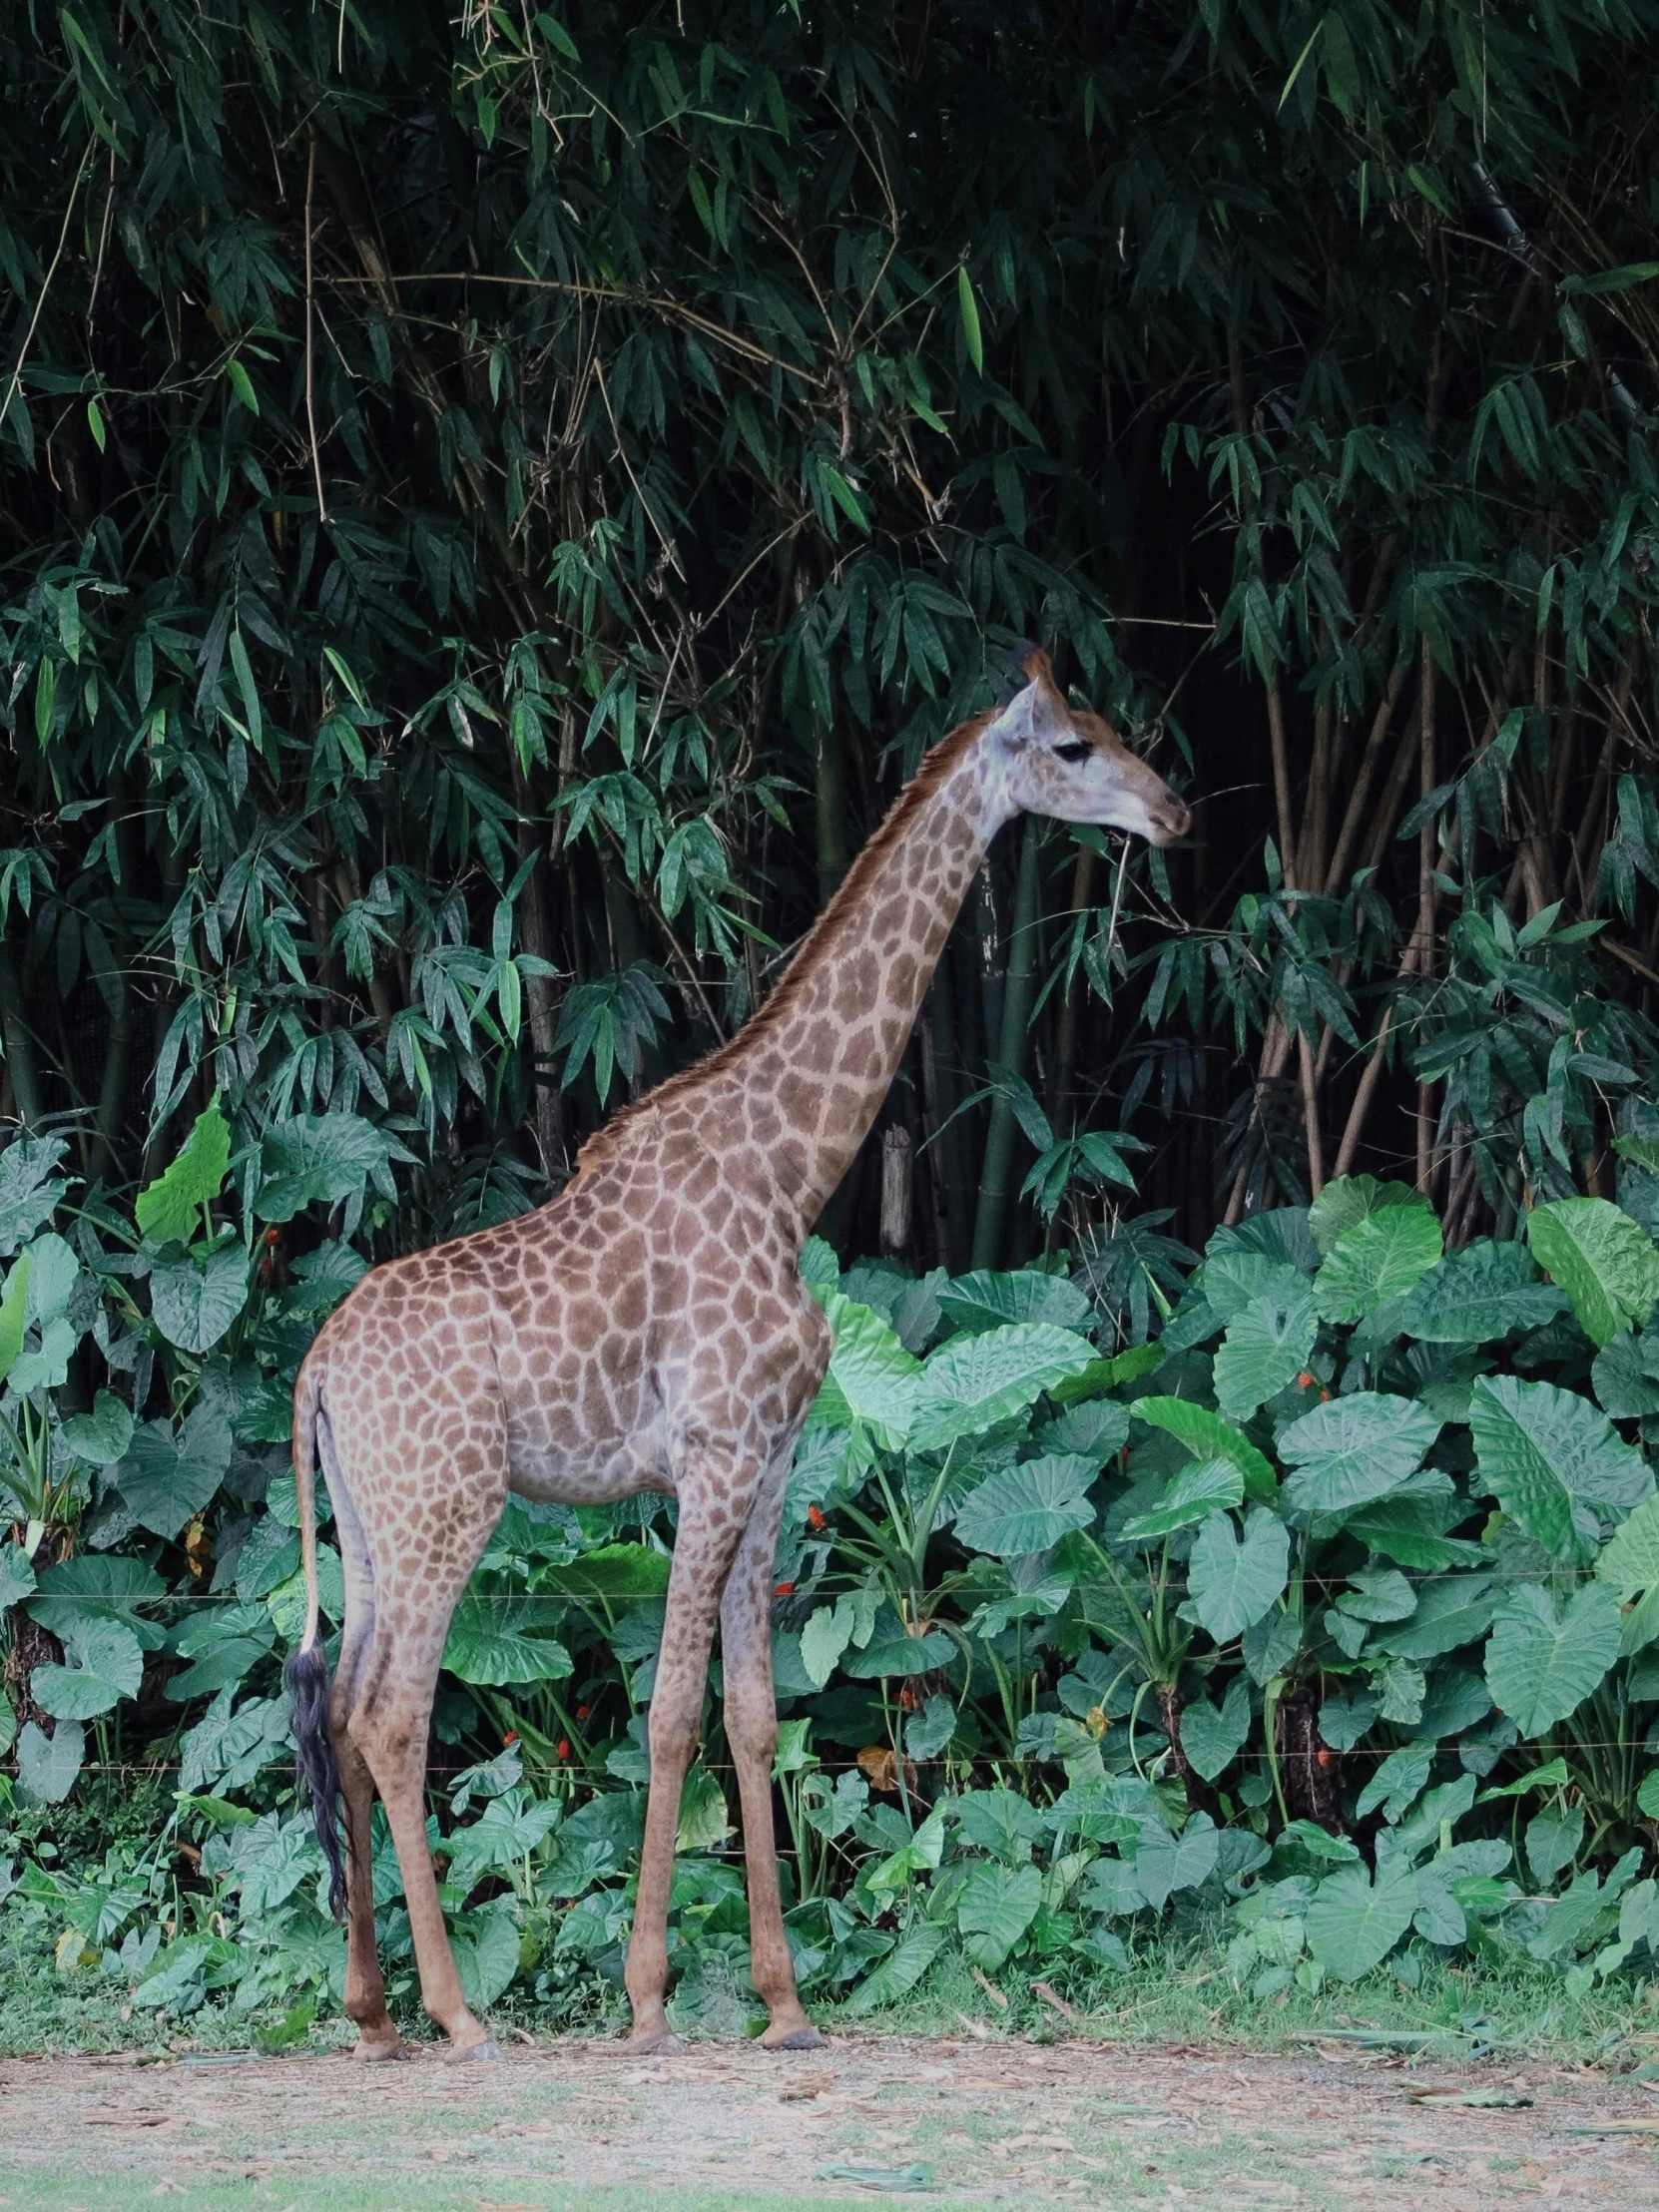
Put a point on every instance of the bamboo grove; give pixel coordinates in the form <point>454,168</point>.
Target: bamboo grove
<point>494,510</point>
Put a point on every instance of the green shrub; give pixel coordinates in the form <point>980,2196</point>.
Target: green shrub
<point>1333,1610</point>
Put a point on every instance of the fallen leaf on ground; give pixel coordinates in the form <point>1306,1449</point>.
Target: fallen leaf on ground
<point>1485,2099</point>
<point>808,2086</point>
<point>896,2180</point>
<point>1052,1997</point>
<point>990,1988</point>
<point>975,2028</point>
<point>1617,2127</point>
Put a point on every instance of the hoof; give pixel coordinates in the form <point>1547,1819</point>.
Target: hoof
<point>655,2042</point>
<point>460,2054</point>
<point>805,2038</point>
<point>379,2050</point>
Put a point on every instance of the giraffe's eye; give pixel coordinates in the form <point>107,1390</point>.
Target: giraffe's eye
<point>1073,750</point>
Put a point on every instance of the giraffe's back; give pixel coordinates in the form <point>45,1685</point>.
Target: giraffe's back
<point>657,1287</point>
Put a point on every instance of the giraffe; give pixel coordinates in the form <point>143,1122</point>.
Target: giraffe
<point>645,1330</point>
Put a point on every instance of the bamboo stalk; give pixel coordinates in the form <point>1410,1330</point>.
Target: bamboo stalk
<point>1065,1045</point>
<point>1311,1112</point>
<point>1588,841</point>
<point>1355,816</point>
<point>1363,1097</point>
<point>21,1063</point>
<point>1424,933</point>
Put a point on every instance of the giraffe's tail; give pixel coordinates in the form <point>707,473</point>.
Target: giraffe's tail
<point>305,1675</point>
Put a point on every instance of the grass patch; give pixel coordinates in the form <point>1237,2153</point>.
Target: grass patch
<point>1176,1989</point>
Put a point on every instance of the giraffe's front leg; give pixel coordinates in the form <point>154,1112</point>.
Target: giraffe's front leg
<point>704,1543</point>
<point>752,1732</point>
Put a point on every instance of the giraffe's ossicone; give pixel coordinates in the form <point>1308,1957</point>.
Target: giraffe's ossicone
<point>646,1329</point>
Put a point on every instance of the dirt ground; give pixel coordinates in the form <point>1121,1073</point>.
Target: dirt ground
<point>574,2126</point>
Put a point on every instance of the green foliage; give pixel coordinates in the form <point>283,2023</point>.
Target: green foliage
<point>494,510</point>
<point>1035,1583</point>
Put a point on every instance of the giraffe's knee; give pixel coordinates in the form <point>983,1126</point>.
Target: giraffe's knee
<point>752,1726</point>
<point>383,1730</point>
<point>671,1731</point>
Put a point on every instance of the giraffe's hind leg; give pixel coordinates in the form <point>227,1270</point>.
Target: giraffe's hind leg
<point>436,1547</point>
<point>365,1988</point>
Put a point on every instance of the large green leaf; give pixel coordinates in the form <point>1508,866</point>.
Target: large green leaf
<point>1409,1524</point>
<point>290,1601</point>
<point>986,1300</point>
<point>487,1949</point>
<point>1165,1863</point>
<point>102,1436</point>
<point>1624,1388</point>
<point>28,1188</point>
<point>14,1316</point>
<point>193,1304</point>
<point>97,1586</point>
<point>1630,1565</point>
<point>1208,1436</point>
<point>1200,1488</point>
<point>325,1159</point>
<point>614,1574</point>
<point>1477,1295</point>
<point>270,1859</point>
<point>1095,1429</point>
<point>704,1818</point>
<point>1452,1610</point>
<point>1028,1506</point>
<point>1352,1449</point>
<point>1266,1347</point>
<point>1348,1200</point>
<point>903,1967</point>
<point>973,1382</point>
<point>1540,1664</point>
<point>1380,1258</point>
<point>872,1378</point>
<point>1630,1560</point>
<point>1233,1583</point>
<point>17,1576</point>
<point>893,1650</point>
<point>1212,1740</point>
<point>167,1478</point>
<point>47,1765</point>
<point>494,1641</point>
<point>107,1664</point>
<point>1606,1262</point>
<point>1551,1457</point>
<point>171,1210</point>
<point>996,1906</point>
<point>1237,1275</point>
<point>1353,1923</point>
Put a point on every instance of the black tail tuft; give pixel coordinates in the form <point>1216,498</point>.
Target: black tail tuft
<point>306,1678</point>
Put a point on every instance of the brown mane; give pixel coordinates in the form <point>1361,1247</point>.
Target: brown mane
<point>935,767</point>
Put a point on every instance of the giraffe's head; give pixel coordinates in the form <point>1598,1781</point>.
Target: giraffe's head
<point>1062,761</point>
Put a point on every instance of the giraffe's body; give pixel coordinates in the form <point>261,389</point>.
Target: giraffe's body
<point>647,1330</point>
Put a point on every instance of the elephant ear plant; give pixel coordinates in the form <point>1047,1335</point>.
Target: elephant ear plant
<point>1325,1624</point>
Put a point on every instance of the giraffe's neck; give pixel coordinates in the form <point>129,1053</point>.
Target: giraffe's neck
<point>812,1069</point>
